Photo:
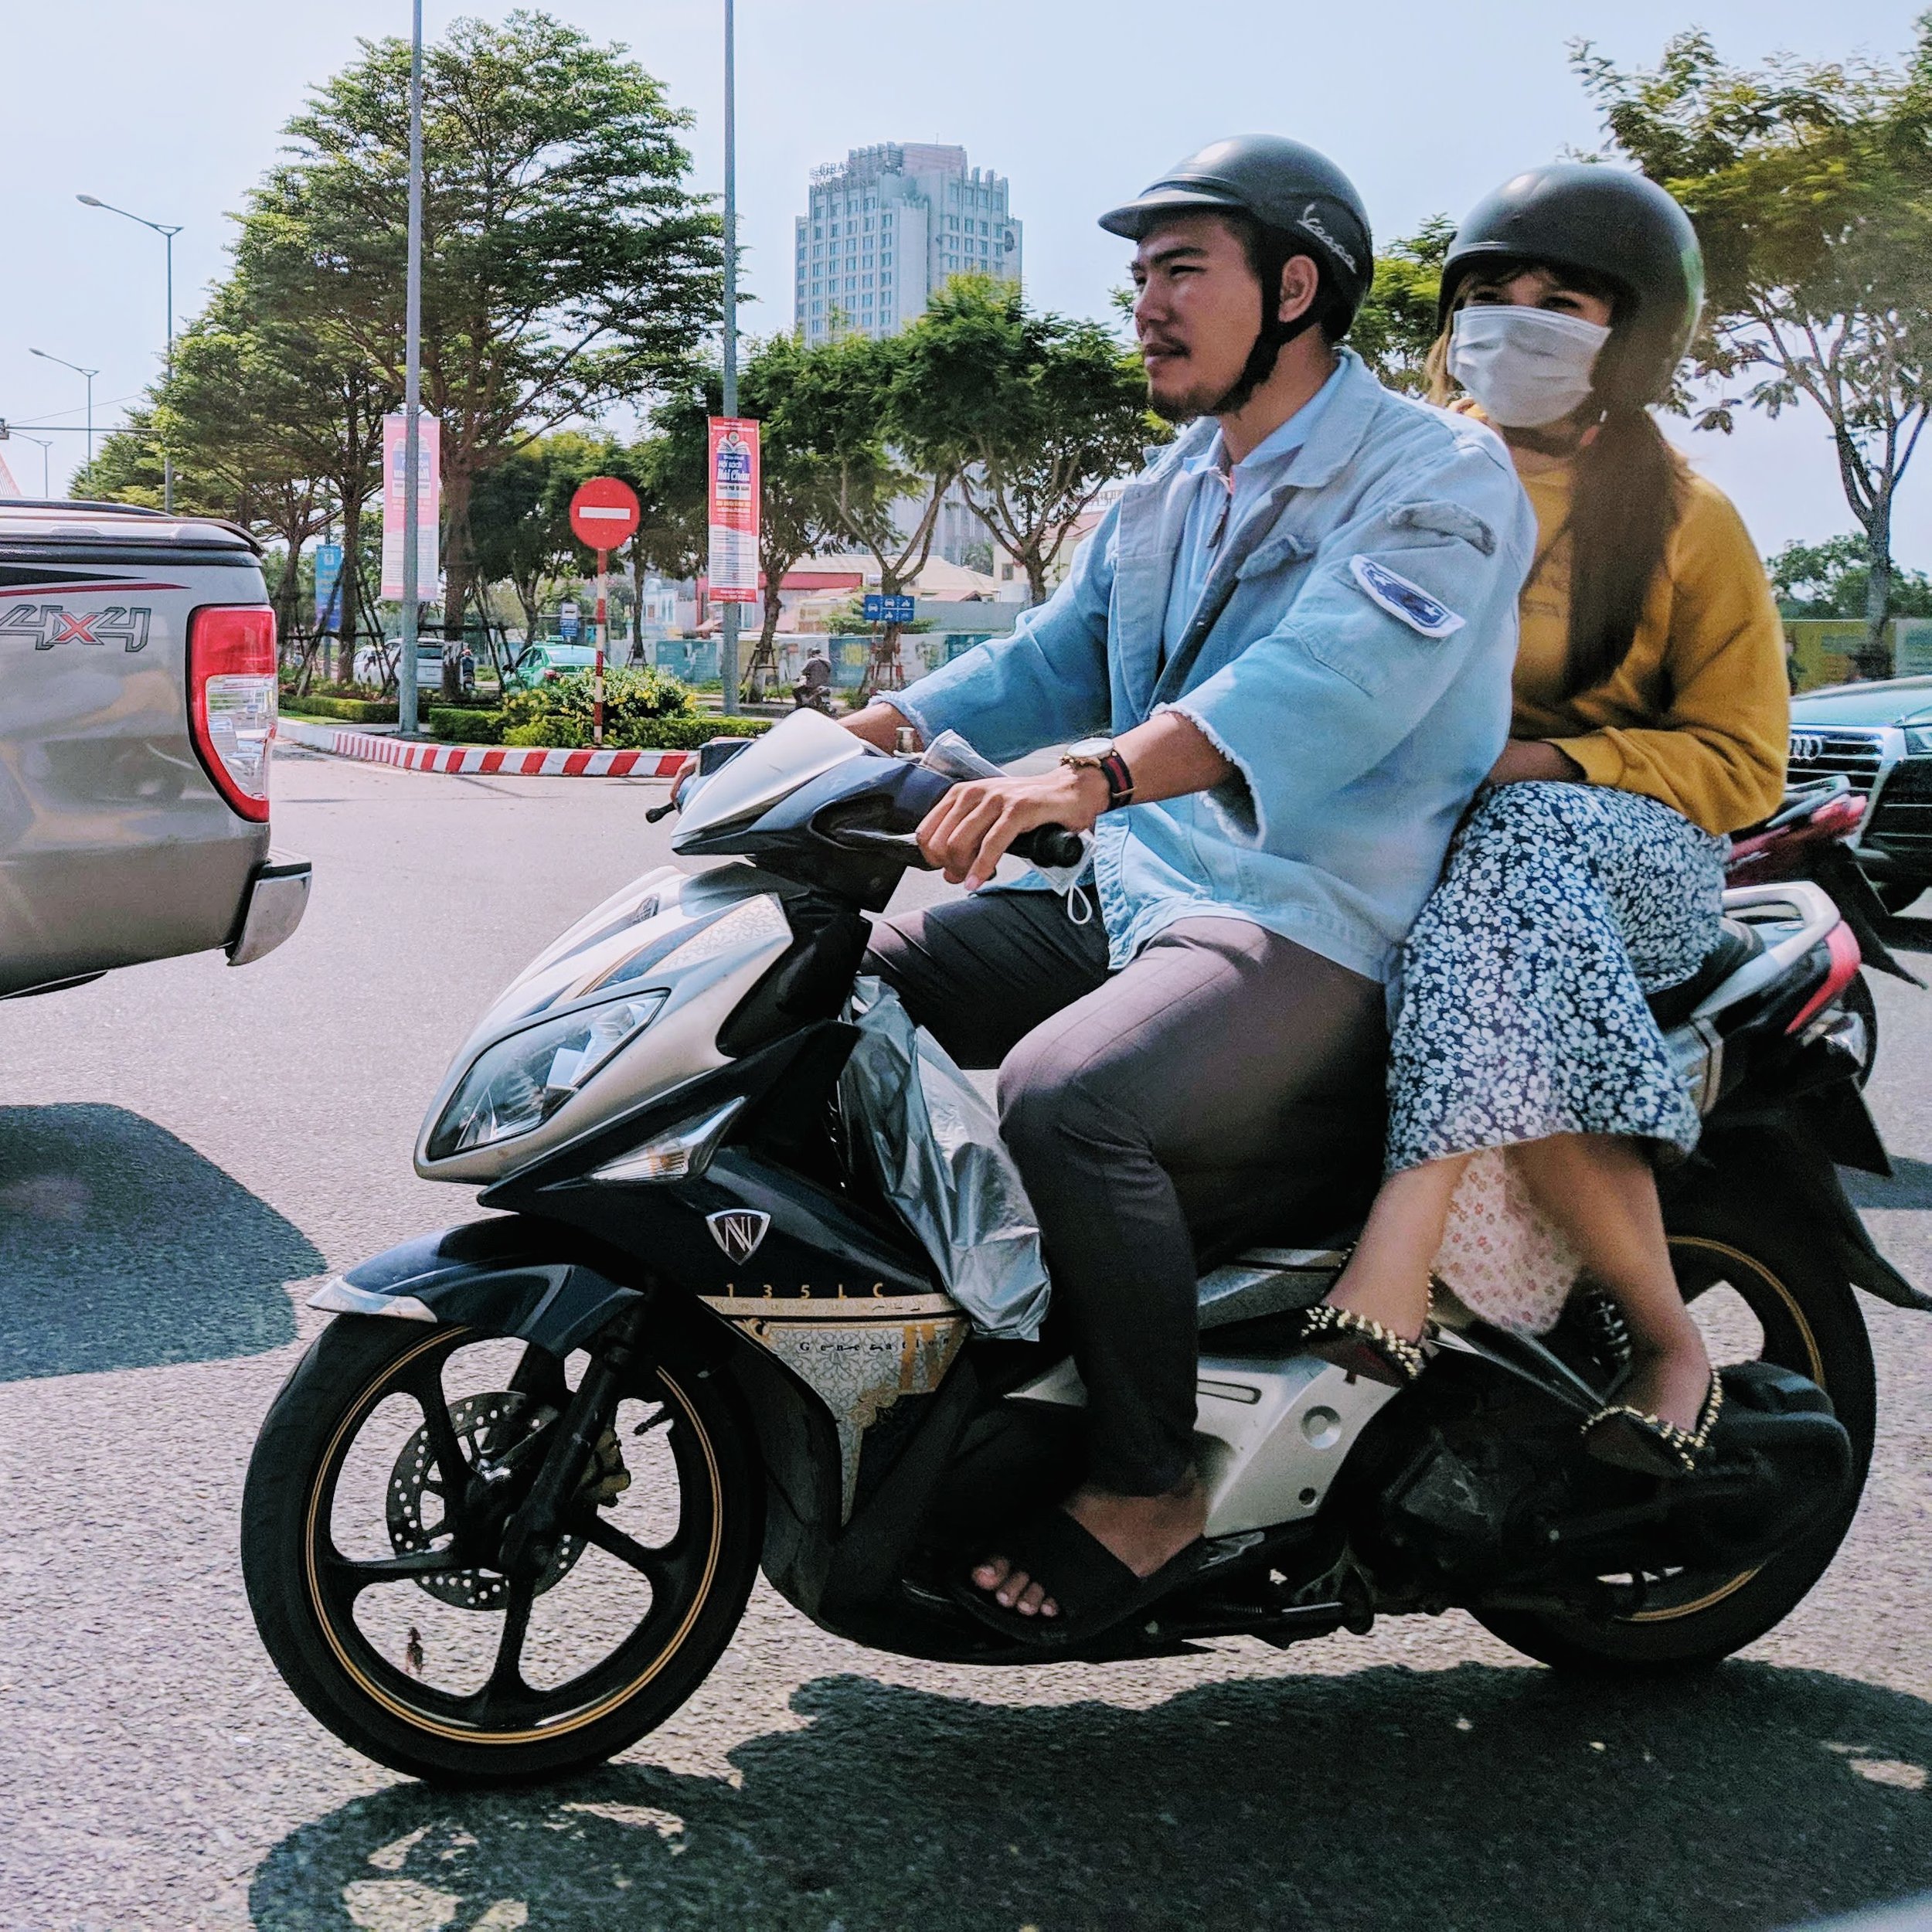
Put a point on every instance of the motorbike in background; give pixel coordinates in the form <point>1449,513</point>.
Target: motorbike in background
<point>1809,837</point>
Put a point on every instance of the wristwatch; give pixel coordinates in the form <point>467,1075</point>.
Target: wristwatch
<point>1103,755</point>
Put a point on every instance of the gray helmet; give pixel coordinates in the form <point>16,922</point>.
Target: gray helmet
<point>1619,227</point>
<point>1301,199</point>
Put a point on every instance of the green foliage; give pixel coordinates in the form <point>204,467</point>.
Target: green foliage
<point>683,732</point>
<point>349,710</point>
<point>1033,413</point>
<point>1832,579</point>
<point>1395,327</point>
<point>462,725</point>
<point>633,700</point>
<point>1811,185</point>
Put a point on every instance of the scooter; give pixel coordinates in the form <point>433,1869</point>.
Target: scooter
<point>504,1517</point>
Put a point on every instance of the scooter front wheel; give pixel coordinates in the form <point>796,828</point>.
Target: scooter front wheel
<point>380,1486</point>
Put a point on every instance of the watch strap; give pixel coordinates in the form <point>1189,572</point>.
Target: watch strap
<point>1111,767</point>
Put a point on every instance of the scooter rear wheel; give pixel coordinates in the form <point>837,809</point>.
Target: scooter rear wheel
<point>1741,1266</point>
<point>380,1606</point>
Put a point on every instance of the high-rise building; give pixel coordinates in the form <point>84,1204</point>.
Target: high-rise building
<point>889,226</point>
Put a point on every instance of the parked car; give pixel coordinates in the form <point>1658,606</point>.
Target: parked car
<point>137,653</point>
<point>1879,736</point>
<point>373,667</point>
<point>545,663</point>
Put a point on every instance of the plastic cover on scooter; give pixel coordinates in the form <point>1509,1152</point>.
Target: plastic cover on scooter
<point>935,1145</point>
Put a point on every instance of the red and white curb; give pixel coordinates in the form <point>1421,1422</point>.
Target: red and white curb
<point>498,761</point>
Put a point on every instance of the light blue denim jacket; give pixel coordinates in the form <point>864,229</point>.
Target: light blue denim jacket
<point>1358,678</point>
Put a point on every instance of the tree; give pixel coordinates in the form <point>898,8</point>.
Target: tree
<point>1033,413</point>
<point>798,485</point>
<point>1830,580</point>
<point>840,409</point>
<point>1811,185</point>
<point>520,517</point>
<point>1395,327</point>
<point>566,265</point>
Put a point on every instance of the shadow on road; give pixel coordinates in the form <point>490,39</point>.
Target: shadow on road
<point>120,1247</point>
<point>1910,1186</point>
<point>1472,1797</point>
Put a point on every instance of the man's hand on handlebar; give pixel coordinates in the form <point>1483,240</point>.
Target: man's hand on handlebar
<point>968,832</point>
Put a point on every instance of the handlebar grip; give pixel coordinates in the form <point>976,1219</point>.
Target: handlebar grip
<point>1053,846</point>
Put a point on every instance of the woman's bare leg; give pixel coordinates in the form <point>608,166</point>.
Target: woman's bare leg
<point>1387,1277</point>
<point>1601,1191</point>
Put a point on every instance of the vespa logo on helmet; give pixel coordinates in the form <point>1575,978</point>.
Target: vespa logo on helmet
<point>738,1231</point>
<point>1312,221</point>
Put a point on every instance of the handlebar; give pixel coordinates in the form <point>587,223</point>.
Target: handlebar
<point>1053,846</point>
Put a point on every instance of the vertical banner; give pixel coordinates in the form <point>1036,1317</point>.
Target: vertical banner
<point>733,565</point>
<point>428,503</point>
<point>328,578</point>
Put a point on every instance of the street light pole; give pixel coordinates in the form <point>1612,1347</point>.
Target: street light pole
<point>405,691</point>
<point>167,231</point>
<point>46,444</point>
<point>729,625</point>
<point>89,374</point>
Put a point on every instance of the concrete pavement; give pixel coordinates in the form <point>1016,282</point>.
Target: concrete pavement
<point>183,1146</point>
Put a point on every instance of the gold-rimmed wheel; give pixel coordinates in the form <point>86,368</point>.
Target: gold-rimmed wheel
<point>1762,1289</point>
<point>391,1589</point>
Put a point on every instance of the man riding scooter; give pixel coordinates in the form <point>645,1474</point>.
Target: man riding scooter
<point>1285,657</point>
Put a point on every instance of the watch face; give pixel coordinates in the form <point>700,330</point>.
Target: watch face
<point>1090,748</point>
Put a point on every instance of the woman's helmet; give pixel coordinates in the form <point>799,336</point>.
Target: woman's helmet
<point>1617,227</point>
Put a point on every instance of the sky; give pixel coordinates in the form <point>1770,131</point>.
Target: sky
<point>172,111</point>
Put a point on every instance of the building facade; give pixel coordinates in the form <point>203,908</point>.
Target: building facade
<point>887,228</point>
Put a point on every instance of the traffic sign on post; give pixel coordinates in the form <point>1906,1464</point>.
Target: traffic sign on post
<point>879,609</point>
<point>604,513</point>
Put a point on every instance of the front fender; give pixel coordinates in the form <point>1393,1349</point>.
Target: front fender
<point>507,1275</point>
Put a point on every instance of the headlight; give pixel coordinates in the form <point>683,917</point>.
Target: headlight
<point>522,1081</point>
<point>1918,739</point>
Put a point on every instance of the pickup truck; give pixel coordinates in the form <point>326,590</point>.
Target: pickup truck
<point>138,682</point>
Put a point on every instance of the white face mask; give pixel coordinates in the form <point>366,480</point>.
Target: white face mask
<point>1527,367</point>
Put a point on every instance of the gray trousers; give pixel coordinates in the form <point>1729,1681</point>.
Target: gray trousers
<point>1161,1117</point>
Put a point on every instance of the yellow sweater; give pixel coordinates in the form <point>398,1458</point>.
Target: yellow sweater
<point>1698,714</point>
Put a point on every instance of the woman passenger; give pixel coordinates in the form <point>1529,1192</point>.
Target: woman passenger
<point>1650,720</point>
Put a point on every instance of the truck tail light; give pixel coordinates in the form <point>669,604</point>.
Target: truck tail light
<point>231,699</point>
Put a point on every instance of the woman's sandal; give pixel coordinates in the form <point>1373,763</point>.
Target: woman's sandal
<point>1094,1589</point>
<point>1363,1347</point>
<point>1632,1439</point>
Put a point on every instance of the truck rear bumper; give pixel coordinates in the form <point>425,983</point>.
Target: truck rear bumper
<point>277,897</point>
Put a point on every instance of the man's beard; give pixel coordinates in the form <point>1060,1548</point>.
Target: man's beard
<point>1182,406</point>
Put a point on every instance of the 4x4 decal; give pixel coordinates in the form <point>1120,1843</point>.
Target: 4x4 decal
<point>47,624</point>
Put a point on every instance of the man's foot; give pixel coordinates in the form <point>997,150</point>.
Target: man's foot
<point>1144,1532</point>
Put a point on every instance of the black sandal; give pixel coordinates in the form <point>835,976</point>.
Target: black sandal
<point>1363,1347</point>
<point>1633,1439</point>
<point>1094,1589</point>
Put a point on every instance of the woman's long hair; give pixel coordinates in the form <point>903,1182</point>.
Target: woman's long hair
<point>1625,500</point>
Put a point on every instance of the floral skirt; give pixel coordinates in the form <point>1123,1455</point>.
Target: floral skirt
<point>1523,1011</point>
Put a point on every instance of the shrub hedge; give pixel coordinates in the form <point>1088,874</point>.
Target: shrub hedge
<point>347,710</point>
<point>650,734</point>
<point>465,725</point>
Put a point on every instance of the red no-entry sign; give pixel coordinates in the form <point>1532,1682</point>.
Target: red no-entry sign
<point>604,513</point>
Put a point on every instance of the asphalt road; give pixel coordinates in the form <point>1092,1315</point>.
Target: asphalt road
<point>183,1147</point>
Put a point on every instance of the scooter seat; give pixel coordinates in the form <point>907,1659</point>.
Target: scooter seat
<point>1674,1004</point>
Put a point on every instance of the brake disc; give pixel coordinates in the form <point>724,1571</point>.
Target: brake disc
<point>487,1427</point>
